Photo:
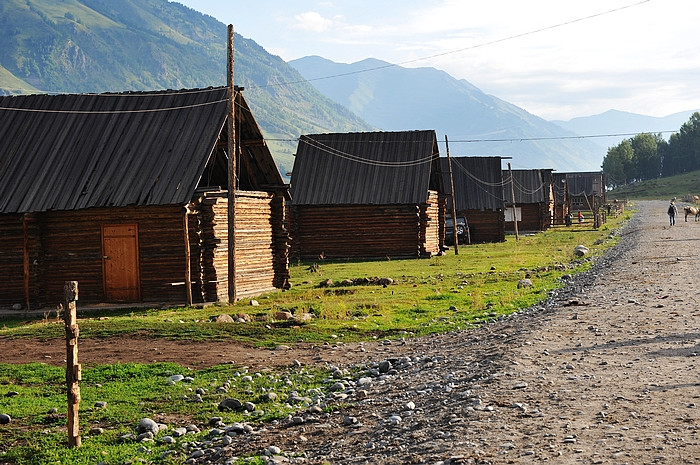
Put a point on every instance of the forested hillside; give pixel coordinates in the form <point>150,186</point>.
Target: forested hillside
<point>649,156</point>
<point>78,46</point>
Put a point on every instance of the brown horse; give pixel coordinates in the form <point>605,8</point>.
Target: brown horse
<point>692,211</point>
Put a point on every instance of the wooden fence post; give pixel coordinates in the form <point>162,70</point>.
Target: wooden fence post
<point>73,370</point>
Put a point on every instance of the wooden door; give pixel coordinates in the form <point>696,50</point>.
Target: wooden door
<point>120,262</point>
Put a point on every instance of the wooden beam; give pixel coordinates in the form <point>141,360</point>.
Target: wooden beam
<point>73,370</point>
<point>25,253</point>
<point>188,259</point>
<point>452,193</point>
<point>232,152</point>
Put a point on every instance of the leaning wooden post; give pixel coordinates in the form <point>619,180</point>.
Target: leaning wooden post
<point>73,371</point>
<point>452,194</point>
<point>232,152</point>
<point>512,194</point>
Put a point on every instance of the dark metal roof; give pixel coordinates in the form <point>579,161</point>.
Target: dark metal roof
<point>529,186</point>
<point>585,183</point>
<point>68,152</point>
<point>477,182</point>
<point>559,187</point>
<point>370,168</point>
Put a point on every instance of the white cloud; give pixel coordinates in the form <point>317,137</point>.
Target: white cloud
<point>312,21</point>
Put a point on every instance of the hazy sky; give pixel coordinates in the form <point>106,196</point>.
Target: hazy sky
<point>557,59</point>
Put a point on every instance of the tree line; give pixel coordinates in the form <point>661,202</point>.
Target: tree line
<point>650,156</point>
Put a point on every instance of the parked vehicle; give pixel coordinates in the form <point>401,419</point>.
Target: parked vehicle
<point>462,229</point>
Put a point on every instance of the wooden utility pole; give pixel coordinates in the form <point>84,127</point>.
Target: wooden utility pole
<point>231,149</point>
<point>452,194</point>
<point>73,370</point>
<point>512,194</point>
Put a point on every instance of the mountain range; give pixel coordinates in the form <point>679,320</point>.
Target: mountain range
<point>78,46</point>
<point>612,126</point>
<point>395,98</point>
<point>83,46</point>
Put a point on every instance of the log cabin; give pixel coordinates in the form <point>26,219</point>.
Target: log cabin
<point>478,188</point>
<point>367,195</point>
<point>579,191</point>
<point>534,200</point>
<point>126,193</point>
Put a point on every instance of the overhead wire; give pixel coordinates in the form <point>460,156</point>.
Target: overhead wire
<point>359,159</point>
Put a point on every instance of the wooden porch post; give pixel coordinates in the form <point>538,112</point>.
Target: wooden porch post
<point>188,256</point>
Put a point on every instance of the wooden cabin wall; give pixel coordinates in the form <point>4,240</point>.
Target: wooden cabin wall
<point>355,231</point>
<point>12,260</point>
<point>280,241</point>
<point>534,217</point>
<point>485,225</point>
<point>431,223</point>
<point>72,251</point>
<point>261,246</point>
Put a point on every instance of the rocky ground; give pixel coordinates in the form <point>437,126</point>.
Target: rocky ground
<point>605,372</point>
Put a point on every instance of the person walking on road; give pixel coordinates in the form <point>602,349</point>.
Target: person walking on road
<point>672,212</point>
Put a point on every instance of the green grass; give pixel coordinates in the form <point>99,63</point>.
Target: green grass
<point>680,186</point>
<point>37,435</point>
<point>439,294</point>
<point>480,282</point>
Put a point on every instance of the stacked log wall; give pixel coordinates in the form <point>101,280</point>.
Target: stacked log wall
<point>485,225</point>
<point>261,241</point>
<point>355,231</point>
<point>430,239</point>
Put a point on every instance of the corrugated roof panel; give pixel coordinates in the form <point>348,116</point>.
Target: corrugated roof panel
<point>477,182</point>
<point>370,168</point>
<point>529,187</point>
<point>68,152</point>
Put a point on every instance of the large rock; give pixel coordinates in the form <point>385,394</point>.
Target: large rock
<point>222,319</point>
<point>230,404</point>
<point>147,425</point>
<point>580,250</point>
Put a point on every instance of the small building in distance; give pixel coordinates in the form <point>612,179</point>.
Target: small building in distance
<point>578,191</point>
<point>534,199</point>
<point>126,194</point>
<point>367,195</point>
<point>478,188</point>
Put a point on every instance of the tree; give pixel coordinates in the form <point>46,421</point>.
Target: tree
<point>683,153</point>
<point>618,165</point>
<point>647,161</point>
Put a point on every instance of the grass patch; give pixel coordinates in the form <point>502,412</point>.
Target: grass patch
<point>481,279</point>
<point>34,397</point>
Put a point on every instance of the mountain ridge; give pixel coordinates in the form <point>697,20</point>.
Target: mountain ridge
<point>71,47</point>
<point>624,125</point>
<point>396,98</point>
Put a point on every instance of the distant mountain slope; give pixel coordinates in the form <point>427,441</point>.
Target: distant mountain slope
<point>396,98</point>
<point>624,123</point>
<point>77,46</point>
